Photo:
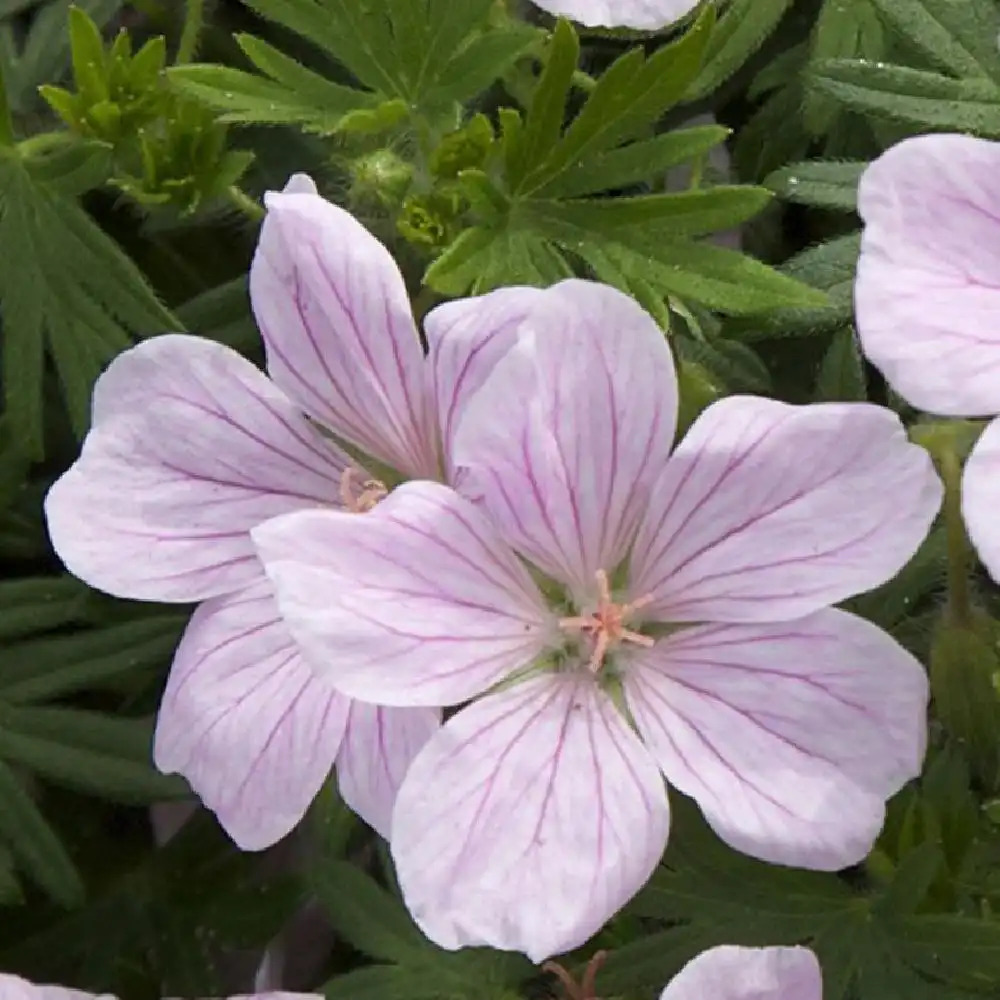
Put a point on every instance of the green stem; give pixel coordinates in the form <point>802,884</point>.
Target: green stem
<point>194,21</point>
<point>252,209</point>
<point>959,552</point>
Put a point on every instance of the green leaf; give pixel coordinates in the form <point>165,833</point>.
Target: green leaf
<point>959,36</point>
<point>820,183</point>
<point>868,948</point>
<point>223,313</point>
<point>90,72</point>
<point>365,914</point>
<point>629,97</point>
<point>713,276</point>
<point>963,663</point>
<point>308,88</point>
<point>44,54</point>
<point>921,577</point>
<point>734,365</point>
<point>357,36</point>
<point>543,124</point>
<point>73,167</point>
<point>636,162</point>
<point>954,947</point>
<point>841,375</point>
<point>914,96</point>
<point>829,267</point>
<point>245,99</point>
<point>740,32</point>
<point>845,29</point>
<point>678,215</point>
<point>34,845</point>
<point>422,54</point>
<point>37,604</point>
<point>484,59</point>
<point>42,669</point>
<point>912,881</point>
<point>97,754</point>
<point>69,292</point>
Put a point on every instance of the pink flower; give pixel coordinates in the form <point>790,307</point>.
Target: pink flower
<point>192,446</point>
<point>624,612</point>
<point>645,15</point>
<point>928,297</point>
<point>16,988</point>
<point>732,973</point>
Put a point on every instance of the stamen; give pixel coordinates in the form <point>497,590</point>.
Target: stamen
<point>369,493</point>
<point>606,625</point>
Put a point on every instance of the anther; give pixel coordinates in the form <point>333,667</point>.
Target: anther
<point>606,625</point>
<point>368,494</point>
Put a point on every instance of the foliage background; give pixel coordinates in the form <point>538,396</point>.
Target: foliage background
<point>130,176</point>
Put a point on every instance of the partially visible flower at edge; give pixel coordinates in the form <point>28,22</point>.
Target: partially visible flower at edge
<point>927,296</point>
<point>16,988</point>
<point>643,15</point>
<point>733,973</point>
<point>673,620</point>
<point>191,446</point>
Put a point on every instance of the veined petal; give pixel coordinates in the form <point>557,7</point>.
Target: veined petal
<point>528,820</point>
<point>378,748</point>
<point>278,995</point>
<point>466,339</point>
<point>15,988</point>
<point>191,446</point>
<point>643,15</point>
<point>767,511</point>
<point>789,737</point>
<point>732,973</point>
<point>564,439</point>
<point>981,497</point>
<point>927,294</point>
<point>336,320</point>
<point>250,727</point>
<point>418,602</point>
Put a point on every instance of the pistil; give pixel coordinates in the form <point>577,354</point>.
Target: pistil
<point>606,625</point>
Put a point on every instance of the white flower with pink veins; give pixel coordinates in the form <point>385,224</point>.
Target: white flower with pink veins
<point>644,15</point>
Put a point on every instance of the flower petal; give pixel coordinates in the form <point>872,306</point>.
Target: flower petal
<point>191,446</point>
<point>15,988</point>
<point>981,497</point>
<point>250,727</point>
<point>733,973</point>
<point>528,820</point>
<point>565,437</point>
<point>644,15</point>
<point>789,737</point>
<point>378,748</point>
<point>417,602</point>
<point>340,337</point>
<point>927,297</point>
<point>466,339</point>
<point>767,511</point>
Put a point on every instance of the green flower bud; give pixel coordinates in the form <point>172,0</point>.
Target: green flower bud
<point>381,175</point>
<point>463,149</point>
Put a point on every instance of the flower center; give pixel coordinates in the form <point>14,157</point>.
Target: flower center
<point>606,624</point>
<point>358,495</point>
